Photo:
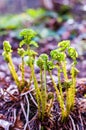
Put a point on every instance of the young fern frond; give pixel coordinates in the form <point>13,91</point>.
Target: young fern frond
<point>63,45</point>
<point>42,62</point>
<point>30,63</point>
<point>7,56</point>
<point>71,92</point>
<point>59,55</point>
<point>28,40</point>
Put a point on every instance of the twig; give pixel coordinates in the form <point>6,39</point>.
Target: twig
<point>26,115</point>
<point>22,94</point>
<point>14,113</point>
<point>27,107</point>
<point>33,118</point>
<point>77,127</point>
<point>13,97</point>
<point>28,111</point>
<point>29,92</point>
<point>33,100</point>
<point>72,121</point>
<point>11,107</point>
<point>82,125</point>
<point>25,126</point>
<point>22,106</point>
<point>40,126</point>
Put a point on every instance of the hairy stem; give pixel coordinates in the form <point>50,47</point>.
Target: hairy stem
<point>59,97</point>
<point>50,106</point>
<point>71,91</point>
<point>44,93</point>
<point>13,71</point>
<point>22,70</point>
<point>38,93</point>
<point>54,84</point>
<point>59,81</point>
<point>41,76</point>
<point>64,70</point>
<point>73,88</point>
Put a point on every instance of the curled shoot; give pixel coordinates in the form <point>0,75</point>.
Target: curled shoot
<point>59,55</point>
<point>42,63</point>
<point>28,40</point>
<point>7,54</point>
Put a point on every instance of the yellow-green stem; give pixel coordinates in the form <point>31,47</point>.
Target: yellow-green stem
<point>63,108</point>
<point>59,98</point>
<point>22,70</point>
<point>13,71</point>
<point>44,94</point>
<point>71,92</point>
<point>54,84</point>
<point>64,70</point>
<point>73,85</point>
<point>50,106</point>
<point>41,76</point>
<point>38,93</point>
<point>59,81</point>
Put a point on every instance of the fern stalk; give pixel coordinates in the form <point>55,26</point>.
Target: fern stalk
<point>59,97</point>
<point>38,93</point>
<point>13,71</point>
<point>22,70</point>
<point>44,93</point>
<point>64,69</point>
